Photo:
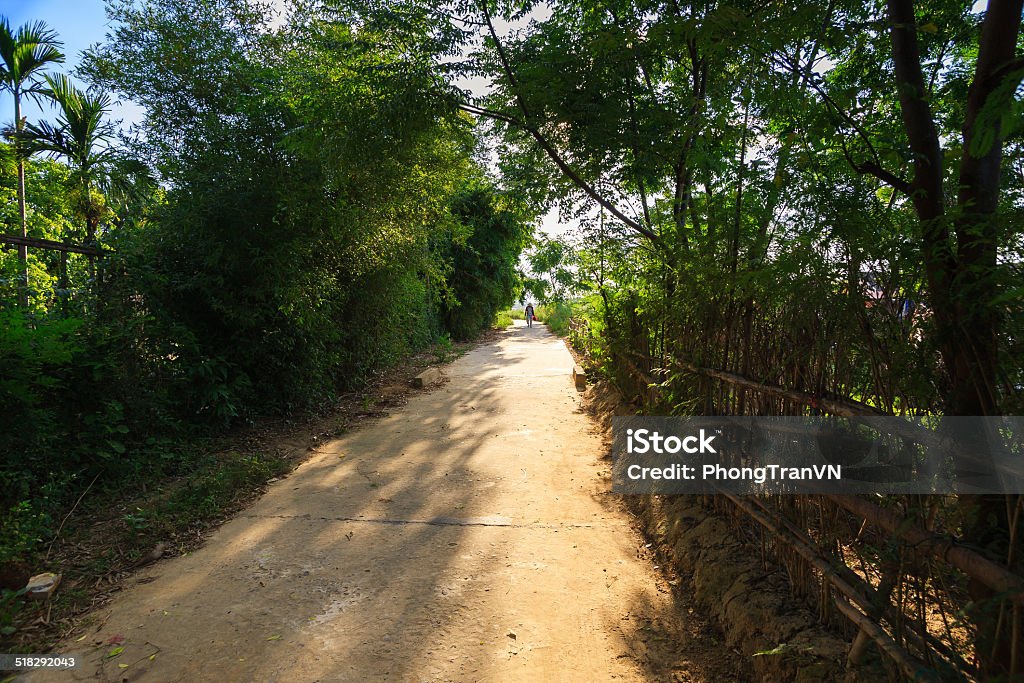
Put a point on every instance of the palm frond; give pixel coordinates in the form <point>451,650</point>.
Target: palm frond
<point>44,137</point>
<point>37,32</point>
<point>8,44</point>
<point>44,53</point>
<point>81,132</point>
<point>63,92</point>
<point>25,52</point>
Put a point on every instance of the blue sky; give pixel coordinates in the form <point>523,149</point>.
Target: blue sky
<point>80,23</point>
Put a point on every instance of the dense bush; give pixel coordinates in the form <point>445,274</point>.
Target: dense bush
<point>484,276</point>
<point>502,319</point>
<point>556,315</point>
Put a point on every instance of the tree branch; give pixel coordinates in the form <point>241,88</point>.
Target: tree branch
<point>476,110</point>
<point>1014,68</point>
<point>548,148</point>
<point>873,167</point>
<point>917,116</point>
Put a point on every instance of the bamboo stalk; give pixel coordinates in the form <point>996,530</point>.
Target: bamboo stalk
<point>973,564</point>
<point>911,668</point>
<point>783,533</point>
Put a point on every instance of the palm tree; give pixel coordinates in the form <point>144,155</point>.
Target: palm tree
<point>80,137</point>
<point>23,56</point>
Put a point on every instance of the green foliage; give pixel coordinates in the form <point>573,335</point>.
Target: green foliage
<point>296,213</point>
<point>503,319</point>
<point>443,348</point>
<point>10,602</point>
<point>33,385</point>
<point>53,215</point>
<point>24,527</point>
<point>551,261</point>
<point>484,258</point>
<point>311,238</point>
<point>556,316</point>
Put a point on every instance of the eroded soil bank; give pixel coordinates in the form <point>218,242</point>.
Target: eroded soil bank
<point>745,596</point>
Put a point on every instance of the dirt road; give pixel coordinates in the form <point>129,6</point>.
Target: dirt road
<point>469,536</point>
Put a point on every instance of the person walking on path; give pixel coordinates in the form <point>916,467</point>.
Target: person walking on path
<point>529,315</point>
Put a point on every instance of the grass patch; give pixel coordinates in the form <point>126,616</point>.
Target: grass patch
<point>119,523</point>
<point>502,319</point>
<point>517,314</point>
<point>221,484</point>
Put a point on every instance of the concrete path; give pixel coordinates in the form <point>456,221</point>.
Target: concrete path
<point>467,537</point>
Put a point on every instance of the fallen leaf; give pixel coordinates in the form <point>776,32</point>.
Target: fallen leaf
<point>122,666</point>
<point>116,639</point>
<point>274,638</point>
<point>115,652</point>
<point>78,640</point>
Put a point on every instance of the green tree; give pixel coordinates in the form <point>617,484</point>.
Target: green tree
<point>81,137</point>
<point>551,260</point>
<point>25,53</point>
<point>484,274</point>
<point>307,234</point>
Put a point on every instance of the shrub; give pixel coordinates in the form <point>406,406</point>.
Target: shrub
<point>556,316</point>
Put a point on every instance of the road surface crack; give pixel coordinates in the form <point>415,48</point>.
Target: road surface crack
<point>433,521</point>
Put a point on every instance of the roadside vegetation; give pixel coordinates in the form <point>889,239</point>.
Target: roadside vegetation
<point>289,219</point>
<point>503,319</point>
<point>556,316</point>
<point>794,210</point>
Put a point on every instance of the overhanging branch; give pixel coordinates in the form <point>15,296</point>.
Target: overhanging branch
<point>563,165</point>
<point>873,167</point>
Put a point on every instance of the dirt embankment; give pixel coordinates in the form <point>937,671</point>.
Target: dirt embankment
<point>749,599</point>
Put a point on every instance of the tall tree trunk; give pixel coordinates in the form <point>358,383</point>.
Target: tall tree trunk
<point>91,227</point>
<point>22,214</point>
<point>976,230</point>
<point>962,280</point>
<point>975,365</point>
